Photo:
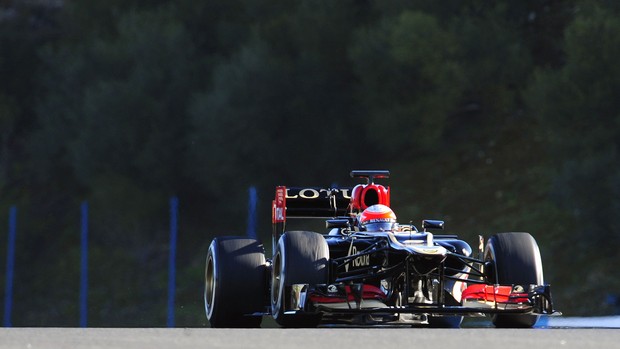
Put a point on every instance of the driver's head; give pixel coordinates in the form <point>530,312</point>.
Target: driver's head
<point>377,218</point>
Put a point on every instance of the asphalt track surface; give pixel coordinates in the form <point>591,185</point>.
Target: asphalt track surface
<point>324,338</point>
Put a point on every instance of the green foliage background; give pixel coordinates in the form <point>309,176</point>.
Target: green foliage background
<point>497,116</point>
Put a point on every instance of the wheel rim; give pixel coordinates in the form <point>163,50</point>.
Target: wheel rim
<point>210,284</point>
<point>491,264</point>
<point>275,283</point>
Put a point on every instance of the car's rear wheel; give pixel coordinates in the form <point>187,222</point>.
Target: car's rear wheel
<point>514,259</point>
<point>301,257</point>
<point>235,282</point>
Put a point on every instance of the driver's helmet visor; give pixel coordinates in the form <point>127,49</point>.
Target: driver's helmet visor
<point>378,226</point>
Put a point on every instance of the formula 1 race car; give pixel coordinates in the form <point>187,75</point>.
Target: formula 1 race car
<point>367,269</point>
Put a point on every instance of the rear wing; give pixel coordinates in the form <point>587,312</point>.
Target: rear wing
<point>304,202</point>
<point>307,202</point>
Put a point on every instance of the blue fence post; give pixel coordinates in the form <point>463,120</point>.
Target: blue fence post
<point>253,198</point>
<point>84,265</point>
<point>174,211</point>
<point>10,267</point>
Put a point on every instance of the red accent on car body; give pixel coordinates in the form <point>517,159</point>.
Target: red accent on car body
<point>278,212</point>
<point>368,292</point>
<point>493,293</point>
<point>365,195</point>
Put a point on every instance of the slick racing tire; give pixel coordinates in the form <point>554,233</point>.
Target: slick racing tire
<point>514,259</point>
<point>235,282</point>
<point>301,257</point>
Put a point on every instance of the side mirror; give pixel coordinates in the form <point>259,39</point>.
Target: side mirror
<point>432,224</point>
<point>337,223</point>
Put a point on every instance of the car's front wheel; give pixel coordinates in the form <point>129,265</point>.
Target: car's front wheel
<point>514,259</point>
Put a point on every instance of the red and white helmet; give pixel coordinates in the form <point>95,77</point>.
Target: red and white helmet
<point>377,218</point>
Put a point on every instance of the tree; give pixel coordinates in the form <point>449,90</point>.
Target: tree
<point>578,107</point>
<point>578,110</point>
<point>410,81</point>
<point>113,123</point>
<point>284,89</point>
<point>117,106</point>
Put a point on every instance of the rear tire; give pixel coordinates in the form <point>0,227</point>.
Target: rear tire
<point>235,282</point>
<point>515,260</point>
<point>301,257</point>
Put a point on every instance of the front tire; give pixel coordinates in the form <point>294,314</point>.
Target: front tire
<point>515,260</point>
<point>301,258</point>
<point>235,282</point>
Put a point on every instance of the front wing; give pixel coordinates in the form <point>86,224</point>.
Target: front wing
<point>477,301</point>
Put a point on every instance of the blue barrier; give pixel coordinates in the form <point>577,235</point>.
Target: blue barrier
<point>83,292</point>
<point>252,200</point>
<point>174,211</point>
<point>10,267</point>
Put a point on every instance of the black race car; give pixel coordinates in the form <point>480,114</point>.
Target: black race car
<point>367,269</point>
